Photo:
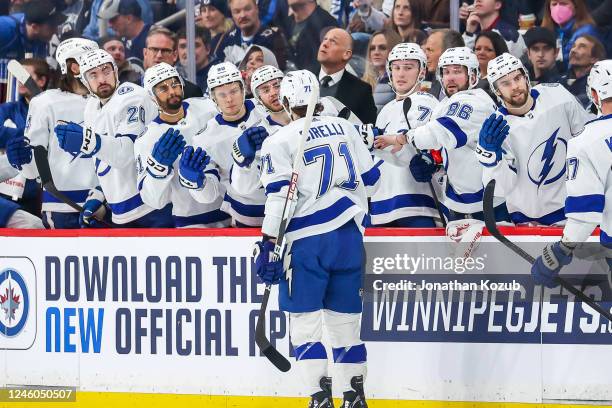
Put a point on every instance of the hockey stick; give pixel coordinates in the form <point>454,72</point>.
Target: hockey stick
<point>489,218</point>
<point>40,153</point>
<point>406,107</point>
<point>261,340</point>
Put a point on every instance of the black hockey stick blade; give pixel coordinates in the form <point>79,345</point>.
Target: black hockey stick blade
<point>406,105</point>
<point>491,224</point>
<point>262,341</point>
<point>46,179</point>
<point>23,76</point>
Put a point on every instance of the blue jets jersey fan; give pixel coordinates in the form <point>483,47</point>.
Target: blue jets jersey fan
<point>158,180</point>
<point>531,172</point>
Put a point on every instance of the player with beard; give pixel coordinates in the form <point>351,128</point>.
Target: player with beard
<point>454,127</point>
<point>524,146</point>
<point>115,115</point>
<point>72,173</point>
<point>157,152</point>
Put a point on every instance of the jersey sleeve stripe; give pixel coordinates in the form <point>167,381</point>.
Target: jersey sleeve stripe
<point>276,186</point>
<point>126,205</point>
<point>78,196</point>
<point>585,203</point>
<point>371,176</point>
<point>464,198</point>
<point>454,128</point>
<point>248,210</point>
<point>322,216</point>
<point>548,219</point>
<point>401,201</point>
<point>205,218</point>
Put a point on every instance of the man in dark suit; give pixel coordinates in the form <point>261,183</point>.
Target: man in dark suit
<point>334,53</point>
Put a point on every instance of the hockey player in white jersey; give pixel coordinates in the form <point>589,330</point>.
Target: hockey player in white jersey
<point>324,256</point>
<point>589,182</point>
<point>115,115</point>
<point>403,198</point>
<point>226,88</point>
<point>157,151</point>
<point>528,164</point>
<point>72,174</point>
<point>454,127</point>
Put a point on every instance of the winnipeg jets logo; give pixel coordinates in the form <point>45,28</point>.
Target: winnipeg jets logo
<point>14,302</point>
<point>547,161</point>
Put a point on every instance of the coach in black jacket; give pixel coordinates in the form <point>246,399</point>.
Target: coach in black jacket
<point>334,53</point>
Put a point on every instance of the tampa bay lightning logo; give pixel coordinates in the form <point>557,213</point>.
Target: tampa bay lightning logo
<point>14,302</point>
<point>124,90</point>
<point>547,161</point>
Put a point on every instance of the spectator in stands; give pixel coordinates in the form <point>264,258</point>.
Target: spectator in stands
<point>249,31</point>
<point>437,13</point>
<point>570,19</point>
<point>485,15</point>
<point>587,50</point>
<point>309,21</point>
<point>406,20</point>
<point>216,18</point>
<point>203,61</point>
<point>334,54</point>
<point>161,46</point>
<point>13,122</point>
<point>366,19</point>
<point>92,29</point>
<point>127,72</point>
<point>275,13</point>
<point>438,41</point>
<point>381,43</point>
<point>542,54</point>
<point>124,18</point>
<point>488,45</point>
<point>255,57</point>
<point>30,31</point>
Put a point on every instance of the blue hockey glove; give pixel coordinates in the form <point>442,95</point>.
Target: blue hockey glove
<point>168,148</point>
<point>368,133</point>
<point>547,266</point>
<point>73,139</point>
<point>268,270</point>
<point>492,134</point>
<point>191,168</point>
<point>422,167</point>
<point>247,144</point>
<point>18,151</point>
<point>94,204</point>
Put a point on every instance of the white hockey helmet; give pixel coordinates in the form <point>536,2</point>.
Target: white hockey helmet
<point>159,73</point>
<point>93,59</point>
<point>406,52</point>
<point>460,56</point>
<point>221,74</point>
<point>600,80</point>
<point>262,75</point>
<point>72,48</point>
<point>297,88</point>
<point>503,65</point>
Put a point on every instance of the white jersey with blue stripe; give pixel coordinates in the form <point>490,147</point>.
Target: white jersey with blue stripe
<point>217,140</point>
<point>119,122</point>
<point>589,182</point>
<point>335,172</point>
<point>246,182</point>
<point>74,176</point>
<point>399,195</point>
<point>158,190</point>
<point>531,174</point>
<point>454,127</point>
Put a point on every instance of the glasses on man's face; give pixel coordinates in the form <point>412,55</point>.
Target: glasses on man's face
<point>106,72</point>
<point>164,88</point>
<point>164,51</point>
<point>228,94</point>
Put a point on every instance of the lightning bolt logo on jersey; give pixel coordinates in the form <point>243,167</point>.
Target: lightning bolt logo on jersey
<point>531,173</point>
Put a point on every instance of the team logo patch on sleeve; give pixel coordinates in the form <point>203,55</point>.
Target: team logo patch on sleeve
<point>124,90</point>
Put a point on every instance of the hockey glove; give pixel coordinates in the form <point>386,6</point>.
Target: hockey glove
<point>18,151</point>
<point>73,138</point>
<point>547,266</point>
<point>268,270</point>
<point>492,134</point>
<point>368,133</point>
<point>247,144</point>
<point>422,167</point>
<point>94,205</point>
<point>168,148</point>
<point>191,168</point>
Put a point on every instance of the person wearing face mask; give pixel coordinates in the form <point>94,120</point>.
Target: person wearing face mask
<point>570,19</point>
